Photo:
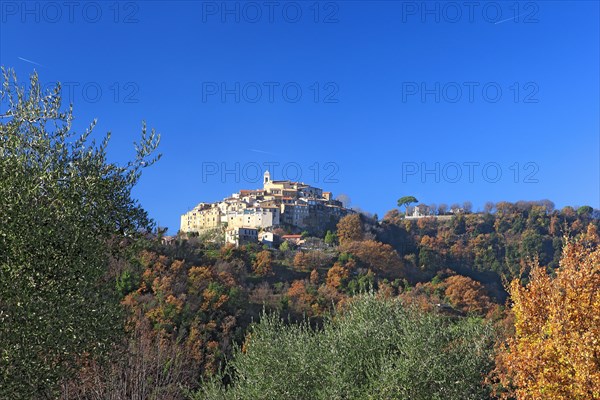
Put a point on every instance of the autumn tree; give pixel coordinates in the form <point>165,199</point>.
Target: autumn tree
<point>555,353</point>
<point>179,328</point>
<point>350,229</point>
<point>300,261</point>
<point>263,264</point>
<point>308,260</point>
<point>380,256</point>
<point>393,217</point>
<point>336,276</point>
<point>301,300</point>
<point>64,210</point>
<point>314,277</point>
<point>569,212</point>
<point>467,294</point>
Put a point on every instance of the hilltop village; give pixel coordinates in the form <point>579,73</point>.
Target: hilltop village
<point>251,215</point>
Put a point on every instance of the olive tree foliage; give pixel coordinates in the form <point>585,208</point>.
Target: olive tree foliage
<point>63,207</point>
<point>375,349</point>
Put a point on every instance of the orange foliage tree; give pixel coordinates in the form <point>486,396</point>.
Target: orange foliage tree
<point>188,309</point>
<point>314,277</point>
<point>336,276</point>
<point>467,294</point>
<point>263,263</point>
<point>300,261</point>
<point>301,300</point>
<point>350,229</point>
<point>555,353</point>
<point>309,260</point>
<point>379,256</point>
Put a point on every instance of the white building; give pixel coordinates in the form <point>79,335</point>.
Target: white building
<point>256,217</point>
<point>239,236</point>
<point>267,238</point>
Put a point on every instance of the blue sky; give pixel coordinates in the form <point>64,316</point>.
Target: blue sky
<point>440,100</point>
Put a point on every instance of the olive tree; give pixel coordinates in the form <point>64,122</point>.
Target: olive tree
<point>375,349</point>
<point>63,207</point>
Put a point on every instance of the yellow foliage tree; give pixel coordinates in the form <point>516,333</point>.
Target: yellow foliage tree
<point>555,353</point>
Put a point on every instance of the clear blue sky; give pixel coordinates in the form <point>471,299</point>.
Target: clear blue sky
<point>388,89</point>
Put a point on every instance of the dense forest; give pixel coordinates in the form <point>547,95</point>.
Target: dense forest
<point>95,304</point>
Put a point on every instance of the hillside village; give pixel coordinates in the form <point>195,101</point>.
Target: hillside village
<point>250,216</point>
<point>400,243</point>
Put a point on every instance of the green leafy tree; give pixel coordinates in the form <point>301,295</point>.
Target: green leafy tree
<point>330,238</point>
<point>585,210</point>
<point>285,246</point>
<point>64,211</point>
<point>406,201</point>
<point>374,349</point>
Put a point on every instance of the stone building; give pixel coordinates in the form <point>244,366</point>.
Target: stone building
<point>240,236</point>
<point>293,205</point>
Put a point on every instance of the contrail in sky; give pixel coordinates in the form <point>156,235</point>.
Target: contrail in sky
<point>507,19</point>
<point>263,152</point>
<point>29,61</point>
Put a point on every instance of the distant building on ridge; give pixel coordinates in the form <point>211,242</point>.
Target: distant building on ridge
<point>293,205</point>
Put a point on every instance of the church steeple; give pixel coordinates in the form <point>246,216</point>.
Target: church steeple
<point>266,177</point>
